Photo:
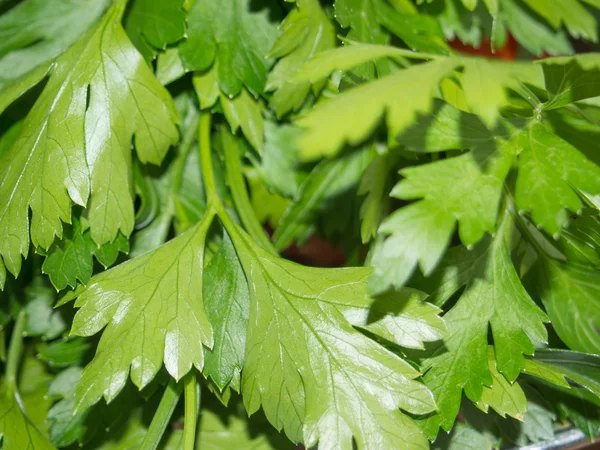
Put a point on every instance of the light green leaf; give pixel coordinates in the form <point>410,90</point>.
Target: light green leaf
<point>310,370</point>
<point>576,18</point>
<point>68,152</point>
<point>238,34</point>
<point>267,204</point>
<point>279,166</point>
<point>65,427</point>
<point>152,24</point>
<point>549,170</point>
<point>227,304</point>
<point>169,66</point>
<point>448,128</point>
<point>34,32</point>
<point>569,79</point>
<point>533,35</point>
<point>503,397</point>
<point>571,295</point>
<point>419,233</point>
<point>331,124</point>
<point>151,310</point>
<point>206,85</point>
<point>418,31</point>
<point>486,83</point>
<point>347,57</point>
<point>404,318</point>
<point>306,31</point>
<point>42,319</point>
<point>493,297</point>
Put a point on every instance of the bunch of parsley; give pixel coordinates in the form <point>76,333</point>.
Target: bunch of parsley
<point>146,146</point>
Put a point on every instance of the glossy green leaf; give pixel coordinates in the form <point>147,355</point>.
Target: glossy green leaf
<point>302,358</point>
<point>402,317</point>
<point>503,397</point>
<point>227,304</point>
<point>47,169</point>
<point>151,310</point>
<point>36,31</point>
<point>562,367</point>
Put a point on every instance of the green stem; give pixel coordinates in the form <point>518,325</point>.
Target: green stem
<point>15,352</point>
<point>241,199</point>
<point>529,96</point>
<point>208,174</point>
<point>162,416</point>
<point>192,403</point>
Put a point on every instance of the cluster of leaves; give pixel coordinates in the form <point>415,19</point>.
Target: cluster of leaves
<point>146,146</point>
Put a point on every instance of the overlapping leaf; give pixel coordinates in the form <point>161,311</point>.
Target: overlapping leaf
<point>493,297</point>
<point>330,125</point>
<point>419,233</point>
<point>75,149</point>
<point>36,31</point>
<point>306,31</point>
<point>310,370</point>
<point>152,24</point>
<point>236,33</point>
<point>152,309</point>
<point>227,304</point>
<point>71,260</point>
<point>549,170</point>
<point>570,293</point>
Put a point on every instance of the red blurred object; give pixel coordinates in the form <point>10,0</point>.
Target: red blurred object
<point>508,52</point>
<point>315,252</point>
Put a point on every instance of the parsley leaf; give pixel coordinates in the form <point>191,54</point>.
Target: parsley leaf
<point>310,370</point>
<point>59,127</point>
<point>237,37</point>
<point>306,31</point>
<point>36,31</point>
<point>420,232</point>
<point>152,313</point>
<point>570,292</point>
<point>493,297</point>
<point>549,170</point>
<point>152,24</point>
